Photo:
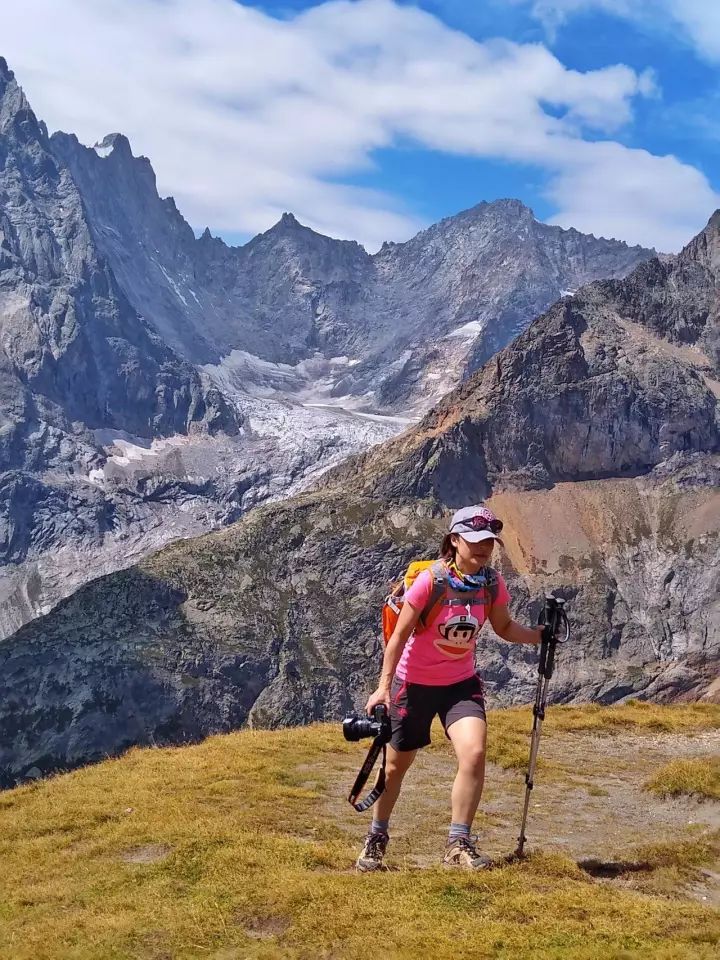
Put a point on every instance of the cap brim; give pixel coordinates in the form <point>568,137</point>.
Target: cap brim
<point>475,536</point>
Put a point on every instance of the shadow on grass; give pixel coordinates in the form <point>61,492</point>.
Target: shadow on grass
<point>610,869</point>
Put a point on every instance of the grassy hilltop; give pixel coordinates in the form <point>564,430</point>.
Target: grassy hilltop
<point>243,846</point>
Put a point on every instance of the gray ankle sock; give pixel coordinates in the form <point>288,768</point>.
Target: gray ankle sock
<point>458,830</point>
<point>379,826</point>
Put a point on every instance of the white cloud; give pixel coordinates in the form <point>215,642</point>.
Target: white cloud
<point>613,191</point>
<point>244,115</point>
<point>698,20</point>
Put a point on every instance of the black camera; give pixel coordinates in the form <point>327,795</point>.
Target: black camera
<point>356,728</point>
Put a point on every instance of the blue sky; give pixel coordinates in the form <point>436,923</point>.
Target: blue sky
<point>372,118</point>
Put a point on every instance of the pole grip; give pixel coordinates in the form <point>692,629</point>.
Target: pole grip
<point>551,619</point>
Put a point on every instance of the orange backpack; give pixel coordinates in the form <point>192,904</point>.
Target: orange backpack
<point>394,601</point>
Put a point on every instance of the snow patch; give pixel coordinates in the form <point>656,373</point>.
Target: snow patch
<point>103,151</point>
<point>568,293</point>
<point>467,331</point>
<point>398,364</point>
<point>97,477</point>
<point>332,431</point>
<point>362,414</point>
<point>106,228</point>
<point>245,374</point>
<point>132,449</point>
<point>172,283</point>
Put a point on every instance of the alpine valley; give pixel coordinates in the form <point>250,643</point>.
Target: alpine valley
<point>156,385</point>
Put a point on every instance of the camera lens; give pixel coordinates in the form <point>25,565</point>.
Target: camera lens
<point>355,728</point>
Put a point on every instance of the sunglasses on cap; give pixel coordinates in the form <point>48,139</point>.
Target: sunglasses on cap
<point>480,523</point>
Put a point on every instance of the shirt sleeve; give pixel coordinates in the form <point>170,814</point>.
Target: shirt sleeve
<point>503,596</point>
<point>419,593</point>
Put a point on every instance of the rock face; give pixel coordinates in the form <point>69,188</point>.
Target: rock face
<point>75,357</point>
<point>73,348</point>
<point>595,435</point>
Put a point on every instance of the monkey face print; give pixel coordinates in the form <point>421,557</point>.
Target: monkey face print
<point>457,635</point>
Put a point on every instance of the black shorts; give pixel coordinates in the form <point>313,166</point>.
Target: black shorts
<point>413,707</point>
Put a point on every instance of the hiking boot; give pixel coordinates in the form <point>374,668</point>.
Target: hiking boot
<point>462,852</point>
<point>371,857</point>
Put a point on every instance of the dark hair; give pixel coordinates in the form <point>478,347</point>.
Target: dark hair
<point>448,549</point>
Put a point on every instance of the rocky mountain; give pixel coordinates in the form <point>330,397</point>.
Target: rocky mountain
<point>73,348</point>
<point>155,385</point>
<point>111,443</point>
<point>403,325</point>
<point>75,356</point>
<point>595,435</point>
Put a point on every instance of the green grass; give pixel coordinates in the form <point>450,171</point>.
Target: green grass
<point>692,777</point>
<point>248,857</point>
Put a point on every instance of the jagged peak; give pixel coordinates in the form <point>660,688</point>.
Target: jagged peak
<point>15,107</point>
<point>288,223</point>
<point>209,242</point>
<point>112,142</point>
<point>515,214</point>
<point>705,247</point>
<point>12,95</point>
<point>508,206</point>
<point>713,224</point>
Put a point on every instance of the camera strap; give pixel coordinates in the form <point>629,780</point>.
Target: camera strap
<point>378,744</point>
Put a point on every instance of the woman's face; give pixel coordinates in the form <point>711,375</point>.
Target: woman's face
<point>471,557</point>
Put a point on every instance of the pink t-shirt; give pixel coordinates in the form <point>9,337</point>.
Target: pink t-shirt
<point>444,653</point>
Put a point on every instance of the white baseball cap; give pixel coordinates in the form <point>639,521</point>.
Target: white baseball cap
<point>475,524</point>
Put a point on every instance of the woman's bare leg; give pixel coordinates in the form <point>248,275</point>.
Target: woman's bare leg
<point>468,736</point>
<point>398,764</point>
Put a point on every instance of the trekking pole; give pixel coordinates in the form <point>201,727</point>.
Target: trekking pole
<point>553,618</point>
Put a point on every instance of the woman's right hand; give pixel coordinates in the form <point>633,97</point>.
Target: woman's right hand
<point>381,695</point>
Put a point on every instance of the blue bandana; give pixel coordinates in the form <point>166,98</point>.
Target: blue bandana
<point>463,581</point>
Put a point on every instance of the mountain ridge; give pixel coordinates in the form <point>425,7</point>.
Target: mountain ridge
<point>335,297</point>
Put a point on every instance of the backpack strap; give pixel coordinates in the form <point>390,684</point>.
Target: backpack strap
<point>394,598</point>
<point>492,584</point>
<point>439,587</point>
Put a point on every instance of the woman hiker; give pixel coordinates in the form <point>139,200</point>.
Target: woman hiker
<point>431,670</point>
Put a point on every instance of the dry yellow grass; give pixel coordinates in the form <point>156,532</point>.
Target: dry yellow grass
<point>696,776</point>
<point>225,850</point>
<point>508,746</point>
